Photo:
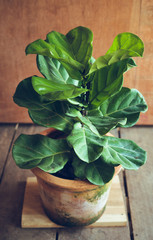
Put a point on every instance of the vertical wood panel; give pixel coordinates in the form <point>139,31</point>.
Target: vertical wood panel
<point>25,21</point>
<point>144,78</point>
<point>140,185</point>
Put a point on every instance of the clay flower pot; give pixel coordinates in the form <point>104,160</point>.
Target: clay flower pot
<point>71,202</point>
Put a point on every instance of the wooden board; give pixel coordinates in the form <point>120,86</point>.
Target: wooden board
<point>33,215</point>
<point>25,21</point>
<point>140,185</point>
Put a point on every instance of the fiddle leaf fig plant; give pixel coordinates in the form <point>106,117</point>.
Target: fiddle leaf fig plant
<point>84,98</point>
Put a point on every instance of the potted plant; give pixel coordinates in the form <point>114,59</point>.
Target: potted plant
<point>83,99</point>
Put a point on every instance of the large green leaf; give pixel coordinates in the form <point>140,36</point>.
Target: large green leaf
<point>105,124</point>
<point>124,152</point>
<point>97,172</point>
<point>85,143</point>
<point>125,45</point>
<point>73,50</point>
<point>42,112</point>
<point>128,103</point>
<point>31,151</point>
<point>52,69</point>
<point>107,81</point>
<point>53,90</point>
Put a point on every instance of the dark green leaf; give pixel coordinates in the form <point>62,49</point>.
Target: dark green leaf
<point>106,82</point>
<point>128,103</point>
<point>97,172</point>
<point>42,112</point>
<point>85,143</point>
<point>53,90</point>
<point>105,124</point>
<point>124,152</point>
<point>31,151</point>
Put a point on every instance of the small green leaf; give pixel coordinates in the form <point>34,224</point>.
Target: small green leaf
<point>54,90</point>
<point>72,112</point>
<point>124,152</point>
<point>128,103</point>
<point>31,151</point>
<point>85,143</point>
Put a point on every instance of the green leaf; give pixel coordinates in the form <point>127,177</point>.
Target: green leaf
<point>125,45</point>
<point>124,152</point>
<point>106,82</point>
<point>97,172</point>
<point>73,50</point>
<point>31,151</point>
<point>41,111</point>
<point>72,112</point>
<point>105,124</point>
<point>129,42</point>
<point>52,69</point>
<point>85,143</point>
<point>128,103</point>
<point>53,90</point>
<point>79,167</point>
<point>80,40</point>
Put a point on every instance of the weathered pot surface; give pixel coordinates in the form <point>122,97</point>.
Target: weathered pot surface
<point>71,202</point>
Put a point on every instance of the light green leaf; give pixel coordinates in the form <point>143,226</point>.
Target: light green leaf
<point>124,152</point>
<point>53,90</point>
<point>42,112</point>
<point>128,103</point>
<point>125,45</point>
<point>31,151</point>
<point>52,69</point>
<point>129,42</point>
<point>85,143</point>
<point>106,82</point>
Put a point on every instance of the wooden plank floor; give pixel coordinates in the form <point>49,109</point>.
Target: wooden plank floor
<point>137,188</point>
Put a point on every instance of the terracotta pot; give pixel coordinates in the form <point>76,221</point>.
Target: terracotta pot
<point>71,202</point>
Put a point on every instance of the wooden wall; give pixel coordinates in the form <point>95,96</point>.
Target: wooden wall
<point>23,21</point>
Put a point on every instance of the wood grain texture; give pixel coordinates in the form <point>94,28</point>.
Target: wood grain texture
<point>11,199</point>
<point>25,21</point>
<point>144,77</point>
<point>140,185</point>
<point>6,135</point>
